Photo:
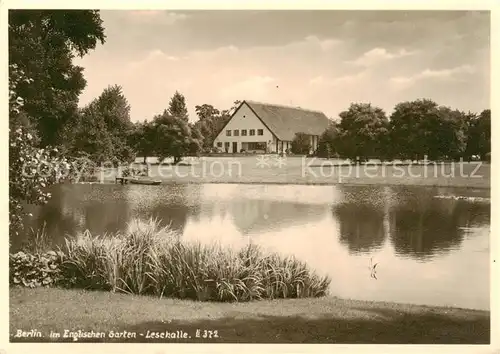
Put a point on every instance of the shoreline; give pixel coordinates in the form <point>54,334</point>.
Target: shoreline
<point>313,320</point>
<point>306,183</point>
<point>249,171</point>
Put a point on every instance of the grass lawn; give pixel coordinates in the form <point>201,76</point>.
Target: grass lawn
<point>320,320</point>
<point>296,170</point>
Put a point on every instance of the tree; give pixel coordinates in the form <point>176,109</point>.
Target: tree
<point>103,128</point>
<point>301,144</point>
<point>115,111</point>
<point>143,139</point>
<point>177,106</point>
<point>410,127</point>
<point>361,129</point>
<point>31,170</point>
<point>209,124</point>
<point>422,127</point>
<point>449,137</point>
<point>90,137</point>
<point>206,111</point>
<point>173,137</point>
<point>479,135</point>
<point>43,95</point>
<point>41,44</point>
<point>328,141</point>
<point>196,142</point>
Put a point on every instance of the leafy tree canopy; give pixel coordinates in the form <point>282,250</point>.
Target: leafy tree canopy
<point>42,44</point>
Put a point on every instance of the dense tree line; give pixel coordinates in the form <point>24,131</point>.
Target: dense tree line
<point>415,130</point>
<point>171,135</point>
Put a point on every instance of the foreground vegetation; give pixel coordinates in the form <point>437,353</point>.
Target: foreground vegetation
<point>147,259</point>
<point>320,320</point>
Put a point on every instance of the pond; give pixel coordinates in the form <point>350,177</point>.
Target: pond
<point>429,250</point>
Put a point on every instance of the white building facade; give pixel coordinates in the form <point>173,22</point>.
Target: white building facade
<point>245,131</point>
<point>261,128</point>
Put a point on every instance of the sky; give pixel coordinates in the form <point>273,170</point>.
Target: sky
<point>321,60</point>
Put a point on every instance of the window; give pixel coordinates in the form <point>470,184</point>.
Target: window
<point>236,132</point>
<point>256,146</point>
<point>243,132</point>
<point>260,132</point>
<point>219,144</point>
<point>228,132</point>
<point>252,132</point>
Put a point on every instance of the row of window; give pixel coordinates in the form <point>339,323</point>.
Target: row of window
<point>249,145</point>
<point>236,132</point>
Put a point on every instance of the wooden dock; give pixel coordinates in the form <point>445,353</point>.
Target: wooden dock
<point>133,180</point>
<point>122,180</point>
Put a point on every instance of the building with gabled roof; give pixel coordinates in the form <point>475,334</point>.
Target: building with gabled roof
<point>268,128</point>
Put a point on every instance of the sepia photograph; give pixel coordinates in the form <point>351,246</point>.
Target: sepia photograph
<point>249,176</point>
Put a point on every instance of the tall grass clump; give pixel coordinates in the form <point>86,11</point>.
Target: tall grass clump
<point>38,240</point>
<point>149,259</point>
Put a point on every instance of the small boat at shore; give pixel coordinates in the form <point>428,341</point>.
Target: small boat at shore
<point>144,181</point>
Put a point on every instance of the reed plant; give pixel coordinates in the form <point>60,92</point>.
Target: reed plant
<point>150,259</point>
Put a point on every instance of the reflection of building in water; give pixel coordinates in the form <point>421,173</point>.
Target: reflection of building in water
<point>258,216</point>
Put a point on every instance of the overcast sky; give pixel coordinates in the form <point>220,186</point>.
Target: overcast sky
<point>321,60</point>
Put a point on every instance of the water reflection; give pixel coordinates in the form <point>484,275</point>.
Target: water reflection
<point>423,226</point>
<point>416,224</point>
<point>259,216</point>
<point>171,206</point>
<point>336,229</point>
<point>362,227</point>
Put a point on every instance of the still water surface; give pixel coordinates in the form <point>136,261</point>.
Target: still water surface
<point>429,250</point>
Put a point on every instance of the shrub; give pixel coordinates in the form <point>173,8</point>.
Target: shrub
<point>150,259</point>
<point>301,144</point>
<point>35,270</point>
<point>129,171</point>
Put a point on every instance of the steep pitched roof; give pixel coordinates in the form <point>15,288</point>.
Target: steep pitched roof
<point>285,121</point>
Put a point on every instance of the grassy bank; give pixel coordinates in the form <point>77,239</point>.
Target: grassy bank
<point>319,320</point>
<point>296,170</point>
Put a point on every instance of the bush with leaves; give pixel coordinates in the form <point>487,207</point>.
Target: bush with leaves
<point>132,171</point>
<point>301,144</point>
<point>31,172</point>
<point>35,270</point>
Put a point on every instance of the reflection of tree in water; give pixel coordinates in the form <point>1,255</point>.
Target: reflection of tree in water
<point>102,217</point>
<point>53,218</point>
<point>175,215</point>
<point>361,226</point>
<point>423,226</point>
<point>419,224</point>
<point>361,216</point>
<point>107,208</point>
<point>171,205</point>
<point>257,215</point>
<point>474,214</point>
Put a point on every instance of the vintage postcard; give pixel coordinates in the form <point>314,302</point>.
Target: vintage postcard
<point>254,175</point>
